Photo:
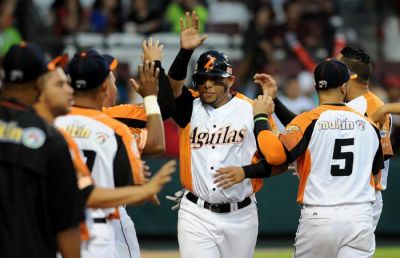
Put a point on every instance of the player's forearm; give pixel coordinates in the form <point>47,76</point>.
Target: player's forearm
<point>155,143</point>
<point>107,198</point>
<point>271,148</point>
<point>178,71</point>
<point>391,108</point>
<point>68,242</point>
<point>262,170</point>
<point>283,113</point>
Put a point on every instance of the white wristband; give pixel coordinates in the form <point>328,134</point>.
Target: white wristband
<point>151,105</point>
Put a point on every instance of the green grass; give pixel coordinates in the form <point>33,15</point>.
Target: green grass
<point>381,252</point>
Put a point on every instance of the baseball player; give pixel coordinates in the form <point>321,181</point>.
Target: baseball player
<point>364,101</point>
<point>56,99</point>
<point>39,195</point>
<point>150,139</point>
<point>337,188</point>
<point>107,144</point>
<point>213,222</point>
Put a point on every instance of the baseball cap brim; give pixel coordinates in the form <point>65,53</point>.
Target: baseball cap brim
<point>111,61</point>
<point>59,61</point>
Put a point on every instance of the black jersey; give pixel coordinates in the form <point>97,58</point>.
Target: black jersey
<point>38,185</point>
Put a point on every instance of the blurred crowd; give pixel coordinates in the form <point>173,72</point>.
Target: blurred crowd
<point>285,38</point>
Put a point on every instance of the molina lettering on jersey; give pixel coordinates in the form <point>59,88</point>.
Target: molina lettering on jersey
<point>224,135</point>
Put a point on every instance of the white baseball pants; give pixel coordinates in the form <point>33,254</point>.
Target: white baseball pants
<point>127,244</point>
<point>377,208</point>
<point>340,231</point>
<point>101,243</point>
<point>202,233</point>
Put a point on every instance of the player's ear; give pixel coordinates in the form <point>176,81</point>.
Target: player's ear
<point>231,80</point>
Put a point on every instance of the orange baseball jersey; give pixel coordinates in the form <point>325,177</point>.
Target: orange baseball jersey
<point>337,151</point>
<point>213,138</point>
<point>367,105</point>
<point>108,147</point>
<point>134,116</point>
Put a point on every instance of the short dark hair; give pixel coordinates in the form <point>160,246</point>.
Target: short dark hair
<point>358,61</point>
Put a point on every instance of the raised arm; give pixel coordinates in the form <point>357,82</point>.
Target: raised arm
<point>269,88</point>
<point>190,39</point>
<point>148,89</point>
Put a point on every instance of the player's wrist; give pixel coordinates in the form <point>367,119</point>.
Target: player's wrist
<point>151,105</point>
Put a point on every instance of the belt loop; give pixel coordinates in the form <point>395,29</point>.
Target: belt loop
<point>200,203</point>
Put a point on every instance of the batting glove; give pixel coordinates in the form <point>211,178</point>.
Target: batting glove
<point>176,198</point>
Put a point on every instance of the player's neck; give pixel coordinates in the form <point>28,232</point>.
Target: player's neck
<point>329,98</point>
<point>357,90</point>
<point>85,102</point>
<point>44,112</point>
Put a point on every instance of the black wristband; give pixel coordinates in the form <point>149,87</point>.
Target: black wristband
<point>260,115</point>
<point>178,70</point>
<point>259,170</point>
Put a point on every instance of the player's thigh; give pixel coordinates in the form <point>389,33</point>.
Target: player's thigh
<point>101,244</point>
<point>316,235</point>
<point>196,232</point>
<point>377,208</point>
<point>240,233</point>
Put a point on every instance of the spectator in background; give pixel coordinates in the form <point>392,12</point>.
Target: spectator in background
<point>146,18</point>
<point>177,9</point>
<point>257,45</point>
<point>68,17</point>
<point>9,35</point>
<point>294,99</point>
<point>106,16</point>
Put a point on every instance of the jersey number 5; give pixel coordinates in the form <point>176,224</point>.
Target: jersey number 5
<point>347,156</point>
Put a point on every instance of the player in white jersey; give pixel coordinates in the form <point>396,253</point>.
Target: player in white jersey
<point>364,101</point>
<point>337,151</point>
<point>216,130</point>
<point>107,144</point>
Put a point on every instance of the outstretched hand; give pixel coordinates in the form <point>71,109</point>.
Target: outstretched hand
<point>227,177</point>
<point>152,51</point>
<point>190,37</point>
<point>158,181</point>
<point>148,79</point>
<point>267,84</point>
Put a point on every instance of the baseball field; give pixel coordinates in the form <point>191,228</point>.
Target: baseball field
<point>382,252</point>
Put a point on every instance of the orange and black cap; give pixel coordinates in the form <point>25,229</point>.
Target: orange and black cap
<point>331,73</point>
<point>89,69</point>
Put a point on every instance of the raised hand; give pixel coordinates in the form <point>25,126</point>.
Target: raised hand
<point>267,84</point>
<point>152,51</point>
<point>263,105</point>
<point>190,38</point>
<point>227,177</point>
<point>148,79</point>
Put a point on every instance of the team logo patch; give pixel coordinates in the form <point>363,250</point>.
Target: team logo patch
<point>291,129</point>
<point>101,137</point>
<point>384,132</point>
<point>360,125</point>
<point>322,84</point>
<point>80,84</point>
<point>33,138</point>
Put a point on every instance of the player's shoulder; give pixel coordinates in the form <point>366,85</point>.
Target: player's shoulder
<point>136,111</point>
<point>241,97</point>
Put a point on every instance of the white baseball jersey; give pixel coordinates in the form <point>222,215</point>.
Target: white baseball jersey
<point>367,105</point>
<point>108,147</point>
<point>336,151</point>
<point>214,138</point>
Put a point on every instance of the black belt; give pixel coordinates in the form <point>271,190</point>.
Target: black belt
<point>100,220</point>
<point>218,207</point>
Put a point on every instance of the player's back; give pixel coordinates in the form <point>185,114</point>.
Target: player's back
<point>336,167</point>
<point>108,148</point>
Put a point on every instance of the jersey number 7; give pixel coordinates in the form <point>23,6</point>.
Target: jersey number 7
<point>90,157</point>
<point>347,156</point>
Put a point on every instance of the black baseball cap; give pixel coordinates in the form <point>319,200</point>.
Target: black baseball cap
<point>26,62</point>
<point>89,69</point>
<point>331,73</point>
